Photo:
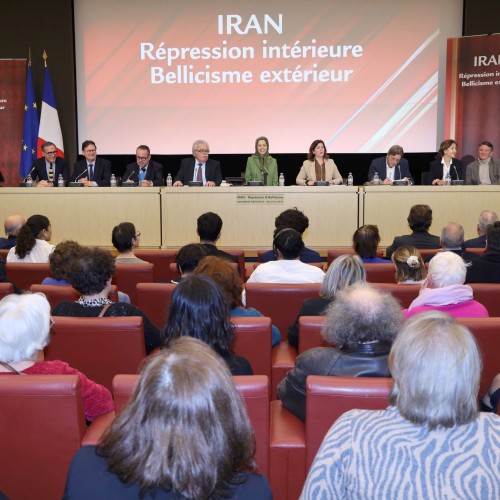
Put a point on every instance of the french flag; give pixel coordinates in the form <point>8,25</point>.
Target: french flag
<point>50,128</point>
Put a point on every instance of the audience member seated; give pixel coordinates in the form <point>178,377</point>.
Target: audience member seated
<point>484,170</point>
<point>365,241</point>
<point>452,240</point>
<point>343,272</point>
<point>295,219</point>
<point>31,245</point>
<point>232,288</point>
<point>431,442</point>
<point>444,290</point>
<point>419,220</point>
<point>90,275</point>
<point>489,401</point>
<point>125,238</point>
<point>60,262</point>
<point>198,310</point>
<point>209,227</point>
<point>410,267</point>
<point>486,268</point>
<point>486,218</point>
<point>188,257</point>
<point>362,323</point>
<point>184,434</point>
<point>12,226</point>
<point>288,268</point>
<point>446,164</point>
<point>24,332</point>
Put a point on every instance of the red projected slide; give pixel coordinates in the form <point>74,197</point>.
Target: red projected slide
<point>362,75</point>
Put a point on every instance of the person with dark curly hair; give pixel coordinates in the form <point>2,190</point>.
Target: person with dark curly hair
<point>60,261</point>
<point>32,241</point>
<point>90,274</point>
<point>198,310</point>
<point>362,323</point>
<point>125,238</point>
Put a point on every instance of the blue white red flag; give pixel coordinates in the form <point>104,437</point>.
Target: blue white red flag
<point>30,127</point>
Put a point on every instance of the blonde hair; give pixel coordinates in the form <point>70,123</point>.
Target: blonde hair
<point>409,264</point>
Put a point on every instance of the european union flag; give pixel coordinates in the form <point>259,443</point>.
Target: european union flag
<point>30,128</point>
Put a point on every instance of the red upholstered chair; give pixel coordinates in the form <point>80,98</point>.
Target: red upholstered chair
<point>405,294</point>
<point>24,274</point>
<point>153,299</point>
<point>479,251</point>
<point>42,425</point>
<point>240,254</point>
<point>3,253</point>
<point>161,258</point>
<point>428,252</point>
<point>380,273</point>
<point>128,275</point>
<point>98,347</point>
<point>5,289</point>
<point>57,293</point>
<point>253,341</point>
<point>489,295</point>
<point>487,333</point>
<point>310,332</point>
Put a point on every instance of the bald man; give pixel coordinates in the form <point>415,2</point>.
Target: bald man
<point>12,225</point>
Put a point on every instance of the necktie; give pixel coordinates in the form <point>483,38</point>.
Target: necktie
<point>91,172</point>
<point>51,173</point>
<point>199,175</point>
<point>142,174</point>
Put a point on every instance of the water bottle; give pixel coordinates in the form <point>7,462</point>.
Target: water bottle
<point>29,181</point>
<point>376,179</point>
<point>447,180</point>
<point>60,181</point>
<point>281,179</point>
<point>350,179</point>
<point>169,180</point>
<point>112,181</point>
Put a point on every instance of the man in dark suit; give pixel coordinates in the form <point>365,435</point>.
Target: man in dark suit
<point>48,168</point>
<point>486,218</point>
<point>392,167</point>
<point>419,220</point>
<point>12,226</point>
<point>92,171</point>
<point>452,240</point>
<point>144,171</point>
<point>199,168</point>
<point>486,268</point>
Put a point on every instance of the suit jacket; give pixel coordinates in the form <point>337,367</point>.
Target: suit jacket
<point>154,173</point>
<point>379,165</point>
<point>40,172</point>
<point>186,171</point>
<point>102,171</point>
<point>418,240</point>
<point>436,170</point>
<point>479,242</point>
<point>485,269</point>
<point>308,173</point>
<point>472,172</point>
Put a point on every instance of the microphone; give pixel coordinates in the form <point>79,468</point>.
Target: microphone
<point>29,173</point>
<point>78,176</point>
<point>128,178</point>
<point>399,168</point>
<point>456,173</point>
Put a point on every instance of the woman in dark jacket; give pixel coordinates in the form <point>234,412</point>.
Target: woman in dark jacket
<point>446,163</point>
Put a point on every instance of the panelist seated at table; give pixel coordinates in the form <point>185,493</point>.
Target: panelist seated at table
<point>446,163</point>
<point>318,166</point>
<point>144,171</point>
<point>92,170</point>
<point>199,168</point>
<point>46,170</point>
<point>261,166</point>
<point>392,167</point>
<point>484,170</point>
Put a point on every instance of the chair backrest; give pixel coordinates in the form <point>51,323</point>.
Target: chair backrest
<point>310,333</point>
<point>479,251</point>
<point>98,347</point>
<point>3,253</point>
<point>42,424</point>
<point>428,252</point>
<point>128,275</point>
<point>240,254</point>
<point>487,334</point>
<point>61,293</point>
<point>489,295</point>
<point>5,289</point>
<point>380,273</point>
<point>280,302</point>
<point>405,294</point>
<point>153,299</point>
<point>25,274</point>
<point>161,258</point>
<point>329,397</point>
<point>253,341</point>
<point>254,390</point>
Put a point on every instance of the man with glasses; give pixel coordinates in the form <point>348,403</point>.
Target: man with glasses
<point>392,167</point>
<point>48,168</point>
<point>144,171</point>
<point>199,168</point>
<point>92,170</point>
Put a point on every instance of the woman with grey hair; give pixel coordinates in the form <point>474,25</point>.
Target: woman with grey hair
<point>361,323</point>
<point>24,332</point>
<point>344,271</point>
<point>431,442</point>
<point>444,289</point>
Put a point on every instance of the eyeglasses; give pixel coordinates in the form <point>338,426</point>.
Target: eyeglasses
<point>142,158</point>
<point>203,151</point>
<point>52,322</point>
<point>50,152</point>
<point>138,234</point>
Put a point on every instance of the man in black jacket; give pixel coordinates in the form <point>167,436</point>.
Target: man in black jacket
<point>486,269</point>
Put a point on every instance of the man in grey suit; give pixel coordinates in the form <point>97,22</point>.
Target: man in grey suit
<point>484,170</point>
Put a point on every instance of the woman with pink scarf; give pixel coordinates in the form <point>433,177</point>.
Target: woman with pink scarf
<point>444,290</point>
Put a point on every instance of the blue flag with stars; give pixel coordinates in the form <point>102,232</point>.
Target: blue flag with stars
<point>30,128</point>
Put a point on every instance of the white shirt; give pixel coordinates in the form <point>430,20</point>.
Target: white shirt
<point>286,271</point>
<point>389,172</point>
<point>39,254</point>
